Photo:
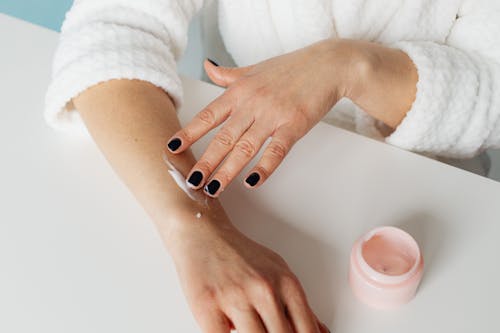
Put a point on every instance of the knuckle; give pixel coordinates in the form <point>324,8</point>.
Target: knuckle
<point>291,287</point>
<point>207,116</point>
<point>265,290</point>
<point>242,305</point>
<point>236,297</point>
<point>207,296</point>
<point>246,147</point>
<point>290,282</point>
<point>223,176</point>
<point>264,174</point>
<point>214,324</point>
<point>186,134</point>
<point>278,150</point>
<point>224,137</point>
<point>209,319</point>
<point>203,301</point>
<point>234,293</point>
<point>204,166</point>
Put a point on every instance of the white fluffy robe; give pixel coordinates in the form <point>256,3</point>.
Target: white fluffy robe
<point>455,45</point>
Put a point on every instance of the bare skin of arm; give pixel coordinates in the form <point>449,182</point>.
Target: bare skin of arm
<point>228,279</point>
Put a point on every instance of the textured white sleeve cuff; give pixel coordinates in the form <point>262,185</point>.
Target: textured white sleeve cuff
<point>99,50</point>
<point>451,114</point>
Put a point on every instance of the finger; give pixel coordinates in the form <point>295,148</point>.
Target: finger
<point>302,318</point>
<point>299,312</point>
<point>224,76</point>
<point>323,328</point>
<point>204,121</point>
<point>272,312</point>
<point>213,321</point>
<point>246,320</point>
<point>281,143</point>
<point>242,153</point>
<point>218,148</point>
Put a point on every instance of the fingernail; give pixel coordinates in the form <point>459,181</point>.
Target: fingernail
<point>213,62</point>
<point>195,178</point>
<point>253,179</point>
<point>212,187</point>
<point>174,144</point>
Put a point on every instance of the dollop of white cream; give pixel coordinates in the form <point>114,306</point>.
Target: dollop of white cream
<point>180,180</point>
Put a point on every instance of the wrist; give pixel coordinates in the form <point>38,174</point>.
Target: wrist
<point>382,81</point>
<point>358,63</point>
<point>191,223</point>
<point>348,62</point>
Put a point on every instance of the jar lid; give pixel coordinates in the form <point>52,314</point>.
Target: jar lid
<point>386,267</point>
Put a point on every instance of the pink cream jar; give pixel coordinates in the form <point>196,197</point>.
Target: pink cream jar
<point>386,268</point>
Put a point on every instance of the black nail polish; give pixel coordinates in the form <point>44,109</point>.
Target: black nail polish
<point>253,179</point>
<point>213,62</point>
<point>212,187</point>
<point>195,178</point>
<point>174,144</point>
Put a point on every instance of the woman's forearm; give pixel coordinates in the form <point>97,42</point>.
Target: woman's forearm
<point>130,121</point>
<point>220,270</point>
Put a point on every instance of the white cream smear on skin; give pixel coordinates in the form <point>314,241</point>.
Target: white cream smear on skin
<point>180,180</point>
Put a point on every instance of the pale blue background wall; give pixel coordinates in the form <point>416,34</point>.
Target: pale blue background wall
<point>48,13</point>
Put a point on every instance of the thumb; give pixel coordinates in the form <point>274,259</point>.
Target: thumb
<point>224,76</point>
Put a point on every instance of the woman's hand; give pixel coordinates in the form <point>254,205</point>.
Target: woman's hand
<point>231,281</point>
<point>283,98</point>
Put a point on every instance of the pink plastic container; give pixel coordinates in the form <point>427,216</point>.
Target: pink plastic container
<point>386,267</point>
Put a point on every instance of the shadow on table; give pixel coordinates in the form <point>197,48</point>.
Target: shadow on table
<point>431,236</point>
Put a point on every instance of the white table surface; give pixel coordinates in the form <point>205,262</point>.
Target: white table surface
<point>78,254</point>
